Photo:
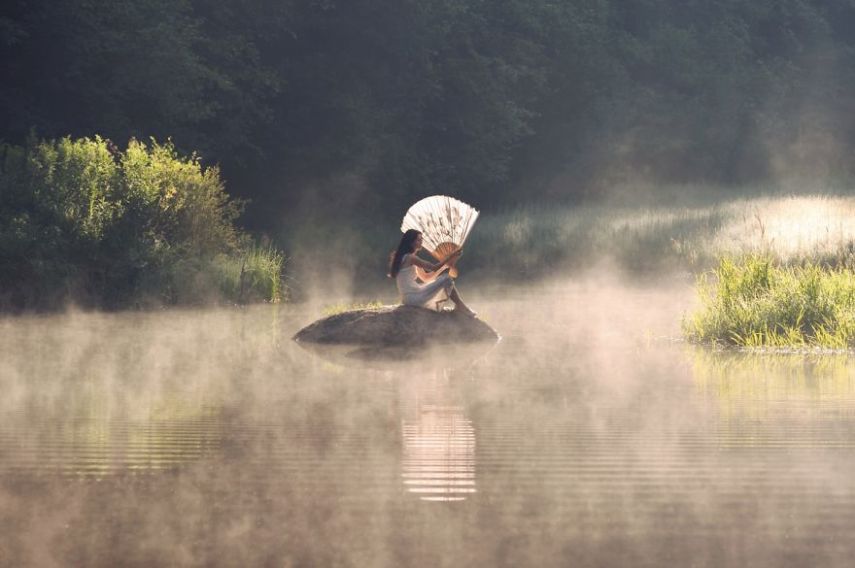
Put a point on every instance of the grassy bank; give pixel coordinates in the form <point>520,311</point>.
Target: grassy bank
<point>755,301</point>
<point>82,221</point>
<point>662,238</point>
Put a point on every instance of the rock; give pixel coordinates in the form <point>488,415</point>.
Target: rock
<point>396,327</point>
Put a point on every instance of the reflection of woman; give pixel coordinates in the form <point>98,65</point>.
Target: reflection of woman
<point>438,461</point>
<point>420,282</point>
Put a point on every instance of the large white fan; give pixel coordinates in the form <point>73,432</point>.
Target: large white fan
<point>444,223</point>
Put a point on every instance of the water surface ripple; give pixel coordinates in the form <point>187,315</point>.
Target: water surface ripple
<point>207,438</point>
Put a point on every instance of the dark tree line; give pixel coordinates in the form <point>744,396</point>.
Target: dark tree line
<point>369,103</point>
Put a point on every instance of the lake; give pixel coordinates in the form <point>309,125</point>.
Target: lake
<point>589,436</point>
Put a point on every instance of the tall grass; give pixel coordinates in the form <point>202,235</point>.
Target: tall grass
<point>754,301</point>
<point>255,275</point>
<point>530,241</point>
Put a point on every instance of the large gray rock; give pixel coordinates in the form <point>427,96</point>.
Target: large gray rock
<point>396,326</point>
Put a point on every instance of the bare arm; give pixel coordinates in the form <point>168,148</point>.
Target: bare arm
<point>431,267</point>
<point>425,265</point>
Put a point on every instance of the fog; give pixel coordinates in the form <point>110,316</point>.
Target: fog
<point>616,150</point>
<point>590,435</point>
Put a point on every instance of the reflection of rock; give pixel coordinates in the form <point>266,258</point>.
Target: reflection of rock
<point>396,327</point>
<point>395,357</point>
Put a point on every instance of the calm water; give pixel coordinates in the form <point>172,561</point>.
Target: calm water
<point>587,437</point>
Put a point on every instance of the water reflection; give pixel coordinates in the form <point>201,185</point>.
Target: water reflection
<point>438,462</point>
<point>438,452</point>
<point>438,457</point>
<point>571,445</point>
<point>96,395</point>
<point>777,399</point>
<point>91,436</point>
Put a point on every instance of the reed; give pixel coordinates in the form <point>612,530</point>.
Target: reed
<point>755,301</point>
<point>254,275</point>
<point>531,241</point>
<point>534,241</point>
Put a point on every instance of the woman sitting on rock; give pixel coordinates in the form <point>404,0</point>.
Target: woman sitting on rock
<point>420,282</point>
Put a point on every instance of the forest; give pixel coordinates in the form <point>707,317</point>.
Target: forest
<point>340,110</point>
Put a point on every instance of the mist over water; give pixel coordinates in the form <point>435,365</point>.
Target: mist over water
<point>588,436</point>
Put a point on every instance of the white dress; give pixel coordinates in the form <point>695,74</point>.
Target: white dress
<point>423,294</point>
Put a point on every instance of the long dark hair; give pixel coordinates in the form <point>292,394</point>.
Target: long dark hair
<point>404,247</point>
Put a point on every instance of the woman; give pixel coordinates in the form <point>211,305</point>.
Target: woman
<point>420,282</point>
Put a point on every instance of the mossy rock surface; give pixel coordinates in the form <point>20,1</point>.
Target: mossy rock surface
<point>396,326</point>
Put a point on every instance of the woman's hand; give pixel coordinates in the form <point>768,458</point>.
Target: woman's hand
<point>449,260</point>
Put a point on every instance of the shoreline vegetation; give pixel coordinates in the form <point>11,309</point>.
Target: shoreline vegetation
<point>686,236</point>
<point>84,222</point>
<point>776,270</point>
<point>758,302</point>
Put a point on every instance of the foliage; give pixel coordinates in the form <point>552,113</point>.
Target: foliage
<point>477,99</point>
<point>753,302</point>
<point>128,68</point>
<point>81,220</point>
<point>254,275</point>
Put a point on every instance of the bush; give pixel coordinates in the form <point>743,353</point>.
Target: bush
<point>81,220</point>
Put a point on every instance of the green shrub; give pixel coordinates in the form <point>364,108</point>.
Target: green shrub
<point>81,220</point>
